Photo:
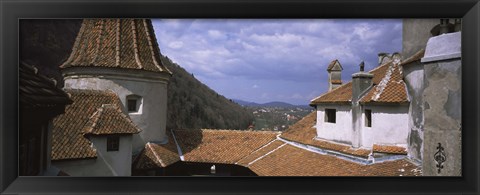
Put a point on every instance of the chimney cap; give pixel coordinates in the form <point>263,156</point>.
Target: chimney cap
<point>362,66</point>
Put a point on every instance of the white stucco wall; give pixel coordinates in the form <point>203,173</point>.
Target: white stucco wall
<point>341,131</point>
<point>389,126</point>
<point>152,89</point>
<point>111,163</point>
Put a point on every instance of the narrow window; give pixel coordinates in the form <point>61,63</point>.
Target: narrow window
<point>330,115</point>
<point>134,104</point>
<point>113,143</point>
<point>368,118</point>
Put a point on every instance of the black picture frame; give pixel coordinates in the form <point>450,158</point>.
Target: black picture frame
<point>12,11</point>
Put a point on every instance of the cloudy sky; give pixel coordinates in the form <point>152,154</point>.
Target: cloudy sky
<point>274,60</point>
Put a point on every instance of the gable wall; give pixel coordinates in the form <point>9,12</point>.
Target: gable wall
<point>339,131</point>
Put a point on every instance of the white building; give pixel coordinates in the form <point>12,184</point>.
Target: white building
<point>370,110</point>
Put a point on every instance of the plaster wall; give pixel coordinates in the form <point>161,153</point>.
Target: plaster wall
<point>152,119</point>
<point>111,163</point>
<point>414,80</point>
<point>389,126</point>
<point>442,102</point>
<point>415,34</point>
<point>341,131</point>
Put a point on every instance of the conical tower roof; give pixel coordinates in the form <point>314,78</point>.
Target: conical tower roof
<point>116,43</point>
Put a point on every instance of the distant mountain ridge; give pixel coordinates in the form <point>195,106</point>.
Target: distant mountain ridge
<point>269,104</point>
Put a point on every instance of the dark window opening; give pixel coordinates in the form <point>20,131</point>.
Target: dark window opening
<point>330,115</point>
<point>368,118</point>
<point>113,143</point>
<point>132,105</point>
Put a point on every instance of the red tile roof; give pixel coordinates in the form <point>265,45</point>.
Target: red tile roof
<point>388,87</point>
<point>68,141</point>
<point>336,81</point>
<point>220,146</point>
<point>388,149</point>
<point>292,161</point>
<point>109,119</point>
<point>156,155</point>
<point>116,43</point>
<point>304,132</point>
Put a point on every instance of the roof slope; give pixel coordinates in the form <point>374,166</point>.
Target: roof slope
<point>157,155</point>
<point>388,87</point>
<point>109,119</point>
<point>68,141</point>
<point>220,146</point>
<point>36,90</point>
<point>304,132</point>
<point>292,161</point>
<point>116,43</point>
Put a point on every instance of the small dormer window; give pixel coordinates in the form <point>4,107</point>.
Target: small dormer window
<point>134,104</point>
<point>113,143</point>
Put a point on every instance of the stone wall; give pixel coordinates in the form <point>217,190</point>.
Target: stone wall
<point>442,106</point>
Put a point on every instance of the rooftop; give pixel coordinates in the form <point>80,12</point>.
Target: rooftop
<point>68,141</point>
<point>116,43</point>
<point>388,87</point>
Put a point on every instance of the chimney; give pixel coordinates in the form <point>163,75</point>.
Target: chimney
<point>361,81</point>
<point>334,74</point>
<point>383,57</point>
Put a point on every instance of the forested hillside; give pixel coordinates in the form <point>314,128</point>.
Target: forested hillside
<point>191,104</point>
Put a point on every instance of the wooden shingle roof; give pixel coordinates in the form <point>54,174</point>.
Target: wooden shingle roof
<point>68,141</point>
<point>116,43</point>
<point>36,90</point>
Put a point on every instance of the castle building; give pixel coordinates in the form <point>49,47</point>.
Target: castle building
<point>122,55</point>
<point>370,110</point>
<point>119,89</point>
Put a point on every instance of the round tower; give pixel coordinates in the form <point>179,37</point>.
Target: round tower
<point>123,55</point>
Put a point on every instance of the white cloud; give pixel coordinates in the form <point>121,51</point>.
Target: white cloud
<point>175,45</point>
<point>287,50</point>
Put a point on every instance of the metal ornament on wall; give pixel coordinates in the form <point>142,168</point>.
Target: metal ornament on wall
<point>440,157</point>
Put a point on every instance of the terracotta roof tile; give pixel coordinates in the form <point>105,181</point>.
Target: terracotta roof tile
<point>116,43</point>
<point>389,149</point>
<point>336,81</point>
<point>220,146</point>
<point>304,132</point>
<point>292,161</point>
<point>388,87</point>
<point>109,119</point>
<point>156,155</point>
<point>342,94</point>
<point>391,89</point>
<point>36,90</point>
<point>260,152</point>
<point>68,141</point>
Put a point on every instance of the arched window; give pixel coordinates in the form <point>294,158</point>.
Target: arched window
<point>134,104</point>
